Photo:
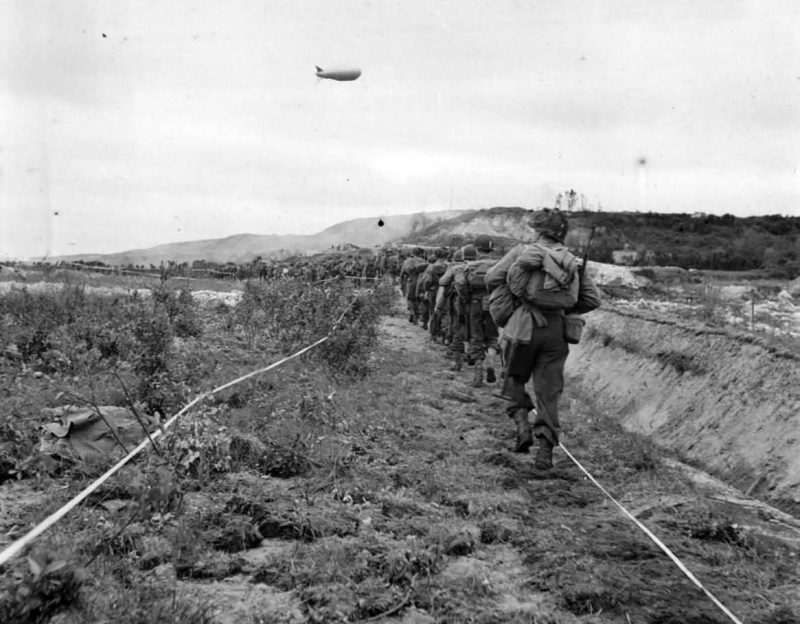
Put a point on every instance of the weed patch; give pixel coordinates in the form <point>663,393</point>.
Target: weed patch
<point>285,520</point>
<point>48,586</point>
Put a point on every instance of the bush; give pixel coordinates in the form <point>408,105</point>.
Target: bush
<point>49,586</point>
<point>295,314</point>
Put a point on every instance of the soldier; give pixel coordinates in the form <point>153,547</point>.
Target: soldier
<point>450,300</point>
<point>482,331</point>
<point>409,275</point>
<point>422,301</point>
<point>542,356</point>
<point>428,287</point>
<point>393,265</point>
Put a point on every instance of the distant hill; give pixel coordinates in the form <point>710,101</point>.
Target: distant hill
<point>241,248</point>
<point>506,225</point>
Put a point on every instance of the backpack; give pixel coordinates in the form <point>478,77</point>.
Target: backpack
<point>545,277</point>
<point>461,283</point>
<point>476,275</point>
<point>502,304</point>
<point>436,271</point>
<point>417,267</point>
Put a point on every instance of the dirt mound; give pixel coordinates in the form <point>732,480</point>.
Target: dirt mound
<point>715,397</point>
<point>614,275</point>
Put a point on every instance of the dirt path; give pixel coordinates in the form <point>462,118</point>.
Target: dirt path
<point>439,522</point>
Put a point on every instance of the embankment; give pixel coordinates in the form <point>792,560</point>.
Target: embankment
<point>721,399</point>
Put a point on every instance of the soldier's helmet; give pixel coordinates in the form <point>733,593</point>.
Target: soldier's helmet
<point>419,252</point>
<point>458,255</point>
<point>431,257</point>
<point>484,243</point>
<point>469,252</point>
<point>550,221</point>
<point>442,252</point>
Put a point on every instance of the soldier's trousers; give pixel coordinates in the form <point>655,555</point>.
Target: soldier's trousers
<point>543,359</point>
<point>424,308</point>
<point>413,307</point>
<point>436,325</point>
<point>446,325</point>
<point>482,330</point>
<point>458,329</point>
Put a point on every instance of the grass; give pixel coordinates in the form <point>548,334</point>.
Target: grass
<point>201,447</point>
<point>371,495</point>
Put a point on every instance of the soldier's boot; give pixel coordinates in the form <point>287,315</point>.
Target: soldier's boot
<point>477,379</point>
<point>490,360</point>
<point>458,358</point>
<point>544,455</point>
<point>524,434</point>
<point>425,325</point>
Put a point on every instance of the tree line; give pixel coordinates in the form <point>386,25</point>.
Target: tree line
<point>770,242</point>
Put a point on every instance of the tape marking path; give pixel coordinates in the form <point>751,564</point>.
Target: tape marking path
<point>655,540</point>
<point>18,545</point>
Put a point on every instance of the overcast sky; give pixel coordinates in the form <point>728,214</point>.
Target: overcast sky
<point>129,124</point>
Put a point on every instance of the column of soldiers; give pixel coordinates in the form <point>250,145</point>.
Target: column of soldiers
<point>362,266</point>
<point>449,294</point>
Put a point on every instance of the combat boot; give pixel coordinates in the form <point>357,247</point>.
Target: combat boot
<point>477,379</point>
<point>458,358</point>
<point>544,455</point>
<point>425,325</point>
<point>524,435</point>
<point>490,374</point>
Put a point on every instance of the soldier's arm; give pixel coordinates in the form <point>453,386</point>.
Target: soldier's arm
<point>447,278</point>
<point>588,296</point>
<point>439,300</point>
<point>496,276</point>
<point>444,281</point>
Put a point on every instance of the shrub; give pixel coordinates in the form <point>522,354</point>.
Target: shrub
<point>49,586</point>
<point>295,314</point>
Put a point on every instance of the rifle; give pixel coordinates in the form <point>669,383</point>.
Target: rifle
<point>573,323</point>
<point>586,252</point>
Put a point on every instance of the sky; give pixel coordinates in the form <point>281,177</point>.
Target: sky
<point>129,124</point>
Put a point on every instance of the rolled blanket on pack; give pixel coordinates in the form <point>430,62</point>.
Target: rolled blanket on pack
<point>545,277</point>
<point>559,267</point>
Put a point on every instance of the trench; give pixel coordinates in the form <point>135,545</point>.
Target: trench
<point>723,401</point>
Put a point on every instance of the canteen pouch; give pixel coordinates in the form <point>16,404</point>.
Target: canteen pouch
<point>573,328</point>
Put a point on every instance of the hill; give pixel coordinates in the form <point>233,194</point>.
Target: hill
<point>768,243</point>
<point>241,248</point>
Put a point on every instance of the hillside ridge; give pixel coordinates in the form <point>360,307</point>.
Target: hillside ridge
<point>701,241</point>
